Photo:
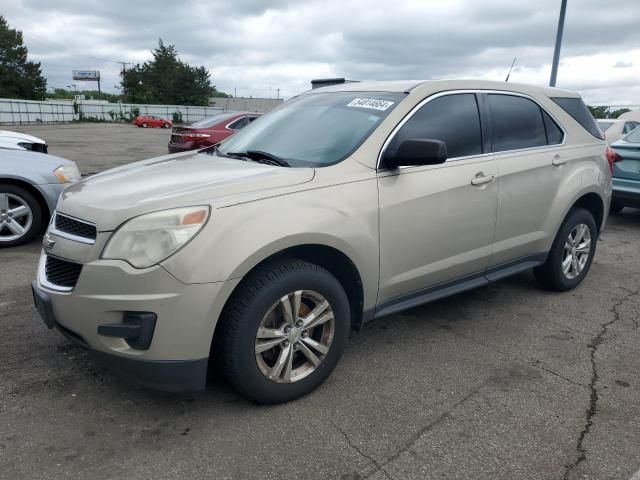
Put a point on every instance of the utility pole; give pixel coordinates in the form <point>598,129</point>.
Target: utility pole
<point>278,92</point>
<point>556,52</point>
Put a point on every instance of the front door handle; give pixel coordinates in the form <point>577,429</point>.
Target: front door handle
<point>558,160</point>
<point>482,179</point>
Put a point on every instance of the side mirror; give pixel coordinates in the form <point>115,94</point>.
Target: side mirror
<point>414,151</point>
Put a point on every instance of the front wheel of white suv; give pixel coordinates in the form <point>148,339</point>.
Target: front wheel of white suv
<point>283,331</point>
<point>571,254</point>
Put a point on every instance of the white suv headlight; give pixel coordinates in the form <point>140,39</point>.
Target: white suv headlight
<point>67,173</point>
<point>149,239</point>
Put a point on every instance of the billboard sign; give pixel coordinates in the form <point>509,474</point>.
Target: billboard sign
<point>87,75</point>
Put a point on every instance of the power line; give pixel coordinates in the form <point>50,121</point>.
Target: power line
<point>102,59</point>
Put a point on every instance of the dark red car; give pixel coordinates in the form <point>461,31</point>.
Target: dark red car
<point>145,121</point>
<point>209,132</point>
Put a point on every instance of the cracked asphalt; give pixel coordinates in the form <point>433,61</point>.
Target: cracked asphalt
<point>504,382</point>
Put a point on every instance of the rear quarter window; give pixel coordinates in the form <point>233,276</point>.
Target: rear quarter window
<point>580,113</point>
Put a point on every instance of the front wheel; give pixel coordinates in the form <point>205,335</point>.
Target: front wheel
<point>144,125</point>
<point>166,125</point>
<point>571,254</point>
<point>20,216</point>
<point>283,331</point>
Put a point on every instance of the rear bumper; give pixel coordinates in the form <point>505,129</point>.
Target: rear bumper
<point>626,192</point>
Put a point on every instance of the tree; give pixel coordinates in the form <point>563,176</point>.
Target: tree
<point>606,112</point>
<point>19,78</point>
<point>167,80</point>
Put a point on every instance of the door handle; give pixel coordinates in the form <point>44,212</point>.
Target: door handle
<point>482,179</point>
<point>558,160</point>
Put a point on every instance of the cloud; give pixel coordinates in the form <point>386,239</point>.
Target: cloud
<point>254,45</point>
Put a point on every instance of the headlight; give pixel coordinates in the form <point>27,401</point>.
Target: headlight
<point>149,239</point>
<point>67,173</point>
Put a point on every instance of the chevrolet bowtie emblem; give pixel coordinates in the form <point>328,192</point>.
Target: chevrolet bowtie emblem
<point>48,243</point>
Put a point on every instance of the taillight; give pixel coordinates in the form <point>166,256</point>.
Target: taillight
<point>612,157</point>
<point>194,137</point>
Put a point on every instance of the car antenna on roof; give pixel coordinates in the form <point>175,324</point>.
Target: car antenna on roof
<point>512,64</point>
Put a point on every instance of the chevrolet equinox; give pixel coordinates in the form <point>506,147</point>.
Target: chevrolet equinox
<point>344,204</point>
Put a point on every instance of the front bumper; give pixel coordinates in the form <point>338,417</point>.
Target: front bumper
<point>106,291</point>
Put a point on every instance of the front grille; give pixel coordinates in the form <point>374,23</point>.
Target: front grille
<point>62,272</point>
<point>75,227</point>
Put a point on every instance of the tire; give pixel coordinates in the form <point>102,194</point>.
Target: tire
<point>259,301</point>
<point>615,207</point>
<point>552,274</point>
<point>11,197</point>
<point>166,125</point>
<point>144,125</point>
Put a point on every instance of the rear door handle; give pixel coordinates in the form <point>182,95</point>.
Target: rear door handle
<point>558,160</point>
<point>482,179</point>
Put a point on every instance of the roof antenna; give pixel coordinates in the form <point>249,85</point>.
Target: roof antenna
<point>512,64</point>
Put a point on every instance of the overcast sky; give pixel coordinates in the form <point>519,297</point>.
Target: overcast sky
<point>258,46</point>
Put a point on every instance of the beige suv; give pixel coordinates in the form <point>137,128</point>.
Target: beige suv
<point>345,204</point>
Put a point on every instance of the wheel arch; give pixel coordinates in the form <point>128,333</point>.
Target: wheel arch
<point>328,257</point>
<point>593,203</point>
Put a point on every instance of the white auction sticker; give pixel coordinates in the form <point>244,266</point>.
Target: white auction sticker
<point>371,103</point>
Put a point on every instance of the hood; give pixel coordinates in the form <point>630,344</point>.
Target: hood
<point>15,137</point>
<point>114,196</point>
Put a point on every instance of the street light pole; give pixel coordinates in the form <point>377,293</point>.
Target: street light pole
<point>556,52</point>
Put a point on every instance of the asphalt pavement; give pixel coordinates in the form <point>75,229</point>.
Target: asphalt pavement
<point>504,382</point>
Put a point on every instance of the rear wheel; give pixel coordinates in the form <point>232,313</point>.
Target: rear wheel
<point>144,125</point>
<point>615,207</point>
<point>166,125</point>
<point>283,331</point>
<point>20,216</point>
<point>572,252</point>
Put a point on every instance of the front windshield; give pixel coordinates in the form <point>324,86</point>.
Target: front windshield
<point>317,129</point>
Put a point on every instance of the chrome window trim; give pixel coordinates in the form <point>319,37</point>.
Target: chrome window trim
<point>69,236</point>
<point>423,102</point>
<point>42,277</point>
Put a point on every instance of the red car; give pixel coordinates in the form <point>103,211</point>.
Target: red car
<point>145,121</point>
<point>209,132</point>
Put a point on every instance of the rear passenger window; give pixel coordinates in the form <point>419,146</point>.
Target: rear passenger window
<point>554,133</point>
<point>238,124</point>
<point>516,123</point>
<point>453,119</point>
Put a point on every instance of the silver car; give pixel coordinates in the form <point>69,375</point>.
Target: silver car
<point>344,204</point>
<point>30,184</point>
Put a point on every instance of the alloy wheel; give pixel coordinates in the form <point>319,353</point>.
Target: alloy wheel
<point>16,217</point>
<point>294,336</point>
<point>576,251</point>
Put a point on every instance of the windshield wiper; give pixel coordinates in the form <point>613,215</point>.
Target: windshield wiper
<point>261,157</point>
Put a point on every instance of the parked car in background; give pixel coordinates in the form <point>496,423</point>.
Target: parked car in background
<point>626,172</point>
<point>22,141</point>
<point>346,203</point>
<point>210,131</point>
<point>145,121</point>
<point>615,129</point>
<point>30,184</point>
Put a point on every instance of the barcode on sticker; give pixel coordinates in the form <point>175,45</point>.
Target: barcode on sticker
<point>371,103</point>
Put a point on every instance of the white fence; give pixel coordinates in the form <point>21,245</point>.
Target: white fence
<point>26,111</point>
